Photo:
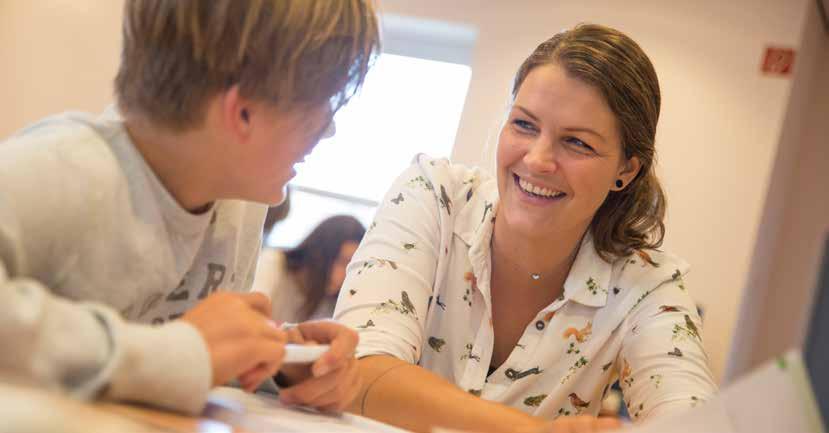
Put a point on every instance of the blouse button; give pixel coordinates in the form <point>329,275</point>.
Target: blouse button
<point>510,373</point>
<point>539,325</point>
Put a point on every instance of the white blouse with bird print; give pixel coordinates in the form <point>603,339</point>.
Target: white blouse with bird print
<point>418,289</point>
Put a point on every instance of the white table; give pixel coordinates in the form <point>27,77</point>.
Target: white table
<point>229,410</point>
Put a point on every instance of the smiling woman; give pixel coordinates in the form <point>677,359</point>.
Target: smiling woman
<point>567,155</point>
<point>522,298</point>
<point>626,89</point>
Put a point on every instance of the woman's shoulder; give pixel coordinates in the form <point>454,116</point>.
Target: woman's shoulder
<point>452,175</point>
<point>637,275</point>
<point>452,184</point>
<point>649,267</point>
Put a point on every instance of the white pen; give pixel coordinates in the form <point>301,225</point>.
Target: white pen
<point>299,354</point>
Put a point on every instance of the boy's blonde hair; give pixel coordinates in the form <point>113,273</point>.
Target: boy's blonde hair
<point>177,54</point>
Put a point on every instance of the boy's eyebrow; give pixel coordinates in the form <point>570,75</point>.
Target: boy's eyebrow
<point>572,129</point>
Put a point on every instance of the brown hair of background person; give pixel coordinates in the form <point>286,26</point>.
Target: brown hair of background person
<point>177,55</point>
<point>313,259</point>
<point>633,218</point>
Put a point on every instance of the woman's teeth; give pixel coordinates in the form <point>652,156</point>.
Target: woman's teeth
<point>536,190</point>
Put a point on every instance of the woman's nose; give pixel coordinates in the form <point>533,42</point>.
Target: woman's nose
<point>541,157</point>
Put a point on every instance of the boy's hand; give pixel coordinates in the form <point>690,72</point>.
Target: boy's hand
<point>330,383</point>
<point>240,337</point>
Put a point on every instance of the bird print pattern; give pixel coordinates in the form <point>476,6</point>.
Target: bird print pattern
<point>421,182</point>
<point>405,305</point>
<point>684,330</point>
<point>436,343</point>
<point>535,400</point>
<point>578,403</point>
<point>594,288</point>
<point>581,335</point>
<point>376,262</point>
<point>445,202</point>
<point>677,277</point>
<point>471,289</point>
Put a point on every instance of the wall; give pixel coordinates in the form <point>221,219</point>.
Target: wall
<point>57,55</point>
<point>777,306</point>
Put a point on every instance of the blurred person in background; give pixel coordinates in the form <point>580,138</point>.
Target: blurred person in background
<point>303,282</point>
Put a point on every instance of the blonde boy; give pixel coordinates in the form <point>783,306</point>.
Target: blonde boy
<point>128,240</point>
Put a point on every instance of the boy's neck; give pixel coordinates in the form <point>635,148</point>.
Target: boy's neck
<point>179,161</point>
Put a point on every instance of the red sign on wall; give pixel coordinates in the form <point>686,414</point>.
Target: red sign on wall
<point>778,61</point>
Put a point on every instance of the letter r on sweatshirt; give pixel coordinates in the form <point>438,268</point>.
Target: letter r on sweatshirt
<point>215,275</point>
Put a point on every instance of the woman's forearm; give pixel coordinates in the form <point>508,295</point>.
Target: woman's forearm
<point>416,399</point>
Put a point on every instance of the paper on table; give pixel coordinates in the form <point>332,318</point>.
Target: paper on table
<point>264,413</point>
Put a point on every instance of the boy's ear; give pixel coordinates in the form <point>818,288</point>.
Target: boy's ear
<point>235,113</point>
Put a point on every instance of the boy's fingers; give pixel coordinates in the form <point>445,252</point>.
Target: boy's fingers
<point>267,352</point>
<point>293,335</point>
<point>257,301</point>
<point>272,332</point>
<point>255,377</point>
<point>257,370</point>
<point>270,357</point>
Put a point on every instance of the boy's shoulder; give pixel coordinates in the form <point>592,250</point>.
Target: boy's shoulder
<point>76,142</point>
<point>69,164</point>
<point>66,124</point>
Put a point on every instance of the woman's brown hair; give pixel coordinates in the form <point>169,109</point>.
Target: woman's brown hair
<point>633,218</point>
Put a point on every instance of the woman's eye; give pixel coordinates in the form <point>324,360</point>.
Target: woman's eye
<point>524,125</point>
<point>579,144</point>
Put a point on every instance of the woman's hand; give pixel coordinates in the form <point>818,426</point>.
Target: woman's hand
<point>577,424</point>
<point>332,382</point>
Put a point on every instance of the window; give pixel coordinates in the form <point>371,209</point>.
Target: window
<point>411,102</point>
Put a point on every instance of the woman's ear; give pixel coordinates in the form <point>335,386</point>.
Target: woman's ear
<point>627,172</point>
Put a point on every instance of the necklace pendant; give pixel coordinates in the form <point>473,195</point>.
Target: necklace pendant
<point>535,276</point>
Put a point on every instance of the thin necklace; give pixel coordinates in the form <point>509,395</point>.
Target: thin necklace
<point>535,276</point>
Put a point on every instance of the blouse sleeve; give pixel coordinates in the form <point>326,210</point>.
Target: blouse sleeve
<point>389,282</point>
<point>663,367</point>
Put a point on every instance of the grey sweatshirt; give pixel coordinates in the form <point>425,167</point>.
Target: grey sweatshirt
<point>97,260</point>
